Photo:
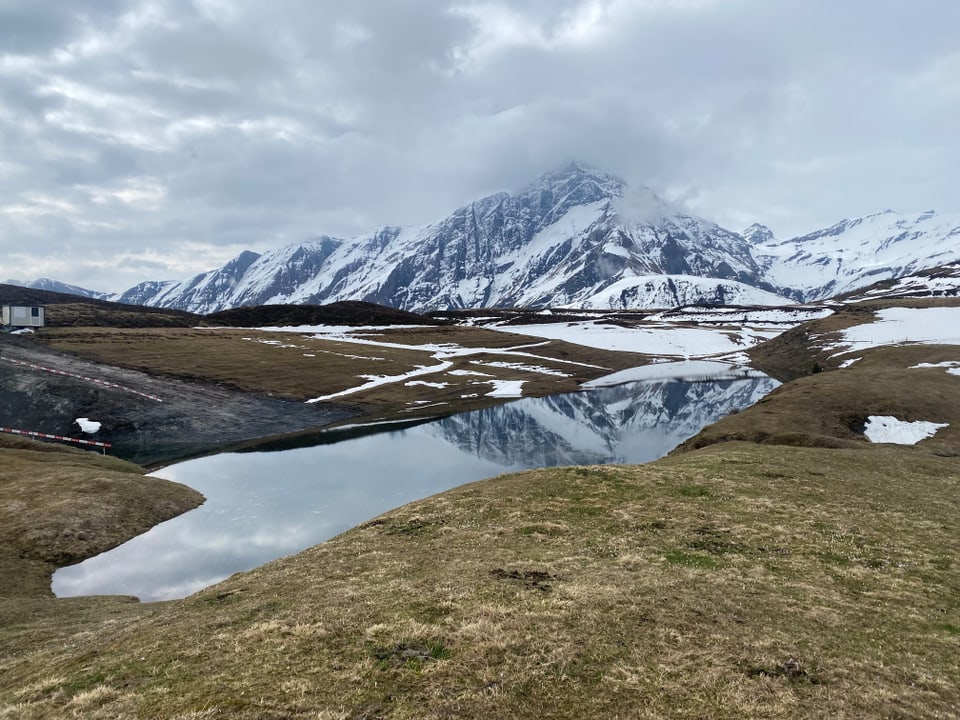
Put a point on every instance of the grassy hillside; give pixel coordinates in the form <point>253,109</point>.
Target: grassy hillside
<point>737,581</point>
<point>805,573</point>
<point>60,505</point>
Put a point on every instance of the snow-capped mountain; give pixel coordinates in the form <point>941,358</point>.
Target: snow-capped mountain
<point>856,253</point>
<point>634,423</point>
<point>572,237</point>
<point>575,238</point>
<point>57,286</point>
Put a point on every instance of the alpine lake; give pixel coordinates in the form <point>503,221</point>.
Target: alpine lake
<point>277,500</point>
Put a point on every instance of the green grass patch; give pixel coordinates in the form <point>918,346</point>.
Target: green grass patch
<point>690,559</point>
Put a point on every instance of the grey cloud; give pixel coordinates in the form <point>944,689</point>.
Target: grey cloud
<point>146,131</point>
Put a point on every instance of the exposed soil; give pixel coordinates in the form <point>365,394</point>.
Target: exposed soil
<point>193,418</point>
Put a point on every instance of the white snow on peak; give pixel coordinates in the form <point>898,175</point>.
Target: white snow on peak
<point>888,429</point>
<point>667,291</point>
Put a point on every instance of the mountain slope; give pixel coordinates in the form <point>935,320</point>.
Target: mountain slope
<point>859,252</point>
<point>59,287</point>
<point>943,281</point>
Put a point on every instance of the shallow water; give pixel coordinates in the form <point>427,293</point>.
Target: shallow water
<point>265,505</point>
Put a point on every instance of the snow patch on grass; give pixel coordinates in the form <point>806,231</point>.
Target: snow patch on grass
<point>525,368</point>
<point>506,388</point>
<point>888,429</point>
<point>952,366</point>
<point>653,340</point>
<point>899,326</point>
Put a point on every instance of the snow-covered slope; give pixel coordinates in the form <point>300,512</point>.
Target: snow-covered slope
<point>855,253</point>
<point>665,291</point>
<point>935,282</point>
<point>57,286</point>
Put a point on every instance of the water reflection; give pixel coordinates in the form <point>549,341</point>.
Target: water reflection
<point>265,505</point>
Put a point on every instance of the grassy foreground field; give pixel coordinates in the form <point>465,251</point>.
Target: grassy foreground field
<point>737,581</point>
<point>778,566</point>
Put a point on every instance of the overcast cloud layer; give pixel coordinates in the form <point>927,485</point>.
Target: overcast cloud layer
<point>156,139</point>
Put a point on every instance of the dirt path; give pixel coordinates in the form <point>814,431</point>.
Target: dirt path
<point>192,419</point>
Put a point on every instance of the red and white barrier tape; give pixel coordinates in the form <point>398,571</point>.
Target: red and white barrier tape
<point>31,433</point>
<point>83,377</point>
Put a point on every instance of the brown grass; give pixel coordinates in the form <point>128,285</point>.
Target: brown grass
<point>800,351</point>
<point>829,409</point>
<point>300,367</point>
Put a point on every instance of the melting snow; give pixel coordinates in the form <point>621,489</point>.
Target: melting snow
<point>87,425</point>
<point>952,366</point>
<point>652,340</point>
<point>887,429</point>
<point>525,368</point>
<point>506,388</point>
<point>377,380</point>
<point>848,363</point>
<point>427,384</point>
<point>896,326</point>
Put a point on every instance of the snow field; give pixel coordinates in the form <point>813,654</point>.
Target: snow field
<point>655,339</point>
<point>898,326</point>
<point>887,429</point>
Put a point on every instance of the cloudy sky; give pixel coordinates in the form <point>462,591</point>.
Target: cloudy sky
<point>152,139</point>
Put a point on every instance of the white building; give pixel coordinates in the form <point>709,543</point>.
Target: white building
<point>21,316</point>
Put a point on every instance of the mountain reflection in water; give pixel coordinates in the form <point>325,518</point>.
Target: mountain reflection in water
<point>265,505</point>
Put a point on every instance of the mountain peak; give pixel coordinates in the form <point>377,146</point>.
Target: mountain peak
<point>758,234</point>
<point>578,174</point>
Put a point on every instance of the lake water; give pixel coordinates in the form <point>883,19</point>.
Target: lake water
<point>268,504</point>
